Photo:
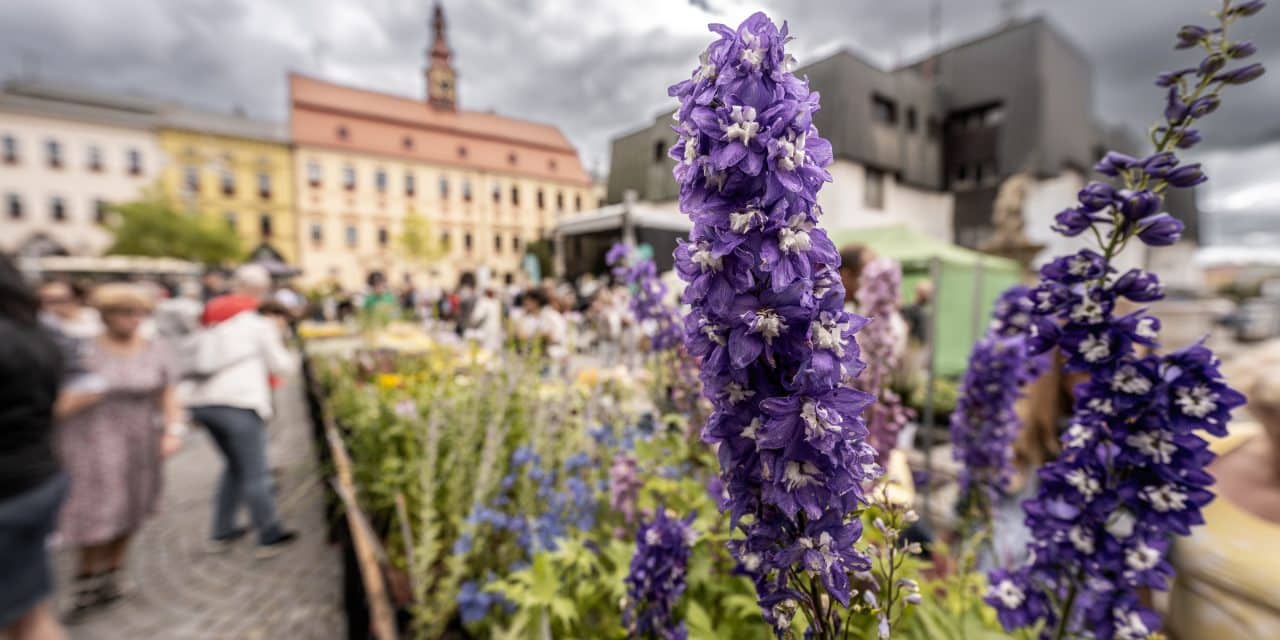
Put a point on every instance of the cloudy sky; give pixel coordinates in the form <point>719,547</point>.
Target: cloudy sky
<point>598,68</point>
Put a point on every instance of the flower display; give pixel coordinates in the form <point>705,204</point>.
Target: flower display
<point>1132,469</point>
<point>767,320</point>
<point>658,578</point>
<point>649,300</point>
<point>984,423</point>
<point>881,345</point>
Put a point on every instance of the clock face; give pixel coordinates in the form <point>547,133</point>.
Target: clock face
<point>443,82</point>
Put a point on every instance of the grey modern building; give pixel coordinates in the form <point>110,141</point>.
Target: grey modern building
<point>931,142</point>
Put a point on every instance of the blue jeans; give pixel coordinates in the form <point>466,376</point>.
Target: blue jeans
<point>241,436</point>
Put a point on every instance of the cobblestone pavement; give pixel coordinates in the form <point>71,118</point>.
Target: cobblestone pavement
<point>182,591</point>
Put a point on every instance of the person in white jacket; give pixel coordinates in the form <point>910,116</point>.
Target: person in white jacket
<point>486,320</point>
<point>236,354</point>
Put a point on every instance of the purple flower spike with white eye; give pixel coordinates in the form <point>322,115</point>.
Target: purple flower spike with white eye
<point>1132,470</point>
<point>766,315</point>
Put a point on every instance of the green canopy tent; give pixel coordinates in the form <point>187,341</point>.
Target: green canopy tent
<point>966,283</point>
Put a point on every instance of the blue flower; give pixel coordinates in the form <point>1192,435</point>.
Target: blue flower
<point>657,578</point>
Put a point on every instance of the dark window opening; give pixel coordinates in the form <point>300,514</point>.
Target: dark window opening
<point>551,164</point>
<point>352,236</point>
<point>466,241</point>
<point>317,234</point>
<point>54,151</point>
<point>407,143</point>
<point>462,151</point>
<point>497,243</point>
<point>497,193</point>
<point>873,195</point>
<point>314,173</point>
<point>659,151</point>
<point>542,200</point>
<point>264,225</point>
<point>95,159</point>
<point>410,185</point>
<point>349,178</point>
<point>559,201</point>
<point>135,162</point>
<point>228,182</point>
<point>264,186</point>
<point>100,211</point>
<point>511,158</point>
<point>10,150</point>
<point>58,209</point>
<point>444,188</point>
<point>342,132</point>
<point>911,119</point>
<point>577,202</point>
<point>192,180</point>
<point>515,243</point>
<point>380,180</point>
<point>14,206</point>
<point>515,196</point>
<point>383,237</point>
<point>932,128</point>
<point>466,191</point>
<point>884,110</point>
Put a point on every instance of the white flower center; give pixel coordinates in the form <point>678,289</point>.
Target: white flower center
<point>1088,311</point>
<point>829,334</point>
<point>753,54</point>
<point>744,126</point>
<point>794,237</point>
<point>706,68</point>
<point>749,432</point>
<point>751,562</point>
<point>1095,348</point>
<point>1080,539</point>
<point>1165,498</point>
<point>1146,329</point>
<point>651,537</point>
<point>817,420</point>
<point>1084,483</point>
<point>1079,265</point>
<point>1156,445</point>
<point>1197,402</point>
<point>792,153</point>
<point>705,259</point>
<point>690,149</point>
<point>1128,380</point>
<point>799,474</point>
<point>1008,594</point>
<point>1120,523</point>
<point>737,393</point>
<point>1141,557</point>
<point>1078,435</point>
<point>742,221</point>
<point>768,324</point>
<point>1130,627</point>
<point>1101,405</point>
<point>713,331</point>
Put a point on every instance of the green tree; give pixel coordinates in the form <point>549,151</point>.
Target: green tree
<point>151,227</point>
<point>418,242</point>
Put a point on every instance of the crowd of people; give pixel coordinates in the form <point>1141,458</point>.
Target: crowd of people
<point>98,385</point>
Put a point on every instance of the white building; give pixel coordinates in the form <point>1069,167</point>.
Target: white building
<point>64,156</point>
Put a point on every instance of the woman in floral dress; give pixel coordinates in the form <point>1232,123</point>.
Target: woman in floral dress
<point>112,443</point>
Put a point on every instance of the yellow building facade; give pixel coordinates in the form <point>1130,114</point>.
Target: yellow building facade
<point>234,169</point>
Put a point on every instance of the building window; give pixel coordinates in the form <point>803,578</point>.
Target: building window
<point>961,176</point>
<point>444,188</point>
<point>134,160</point>
<point>351,236</point>
<point>466,241</point>
<point>542,200</point>
<point>95,158</point>
<point>466,191</point>
<point>932,129</point>
<point>407,143</point>
<point>191,180</point>
<point>349,178</point>
<point>497,243</point>
<point>873,194</point>
<point>911,119</point>
<point>228,182</point>
<point>264,186</point>
<point>515,243</point>
<point>410,185</point>
<point>551,165</point>
<point>14,206</point>
<point>314,173</point>
<point>53,149</point>
<point>884,110</point>
<point>497,193</point>
<point>342,132</point>
<point>58,209</point>
<point>380,180</point>
<point>230,218</point>
<point>383,237</point>
<point>10,150</point>
<point>559,201</point>
<point>462,151</point>
<point>515,196</point>
<point>264,225</point>
<point>100,211</point>
<point>317,234</point>
<point>577,202</point>
<point>444,239</point>
<point>511,158</point>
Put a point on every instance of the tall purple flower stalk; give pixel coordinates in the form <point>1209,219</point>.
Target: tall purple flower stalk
<point>649,300</point>
<point>877,297</point>
<point>658,578</point>
<point>1132,471</point>
<point>767,320</point>
<point>984,423</point>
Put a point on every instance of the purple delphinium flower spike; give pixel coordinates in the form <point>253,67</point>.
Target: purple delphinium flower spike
<point>877,297</point>
<point>657,578</point>
<point>1133,465</point>
<point>767,318</point>
<point>984,423</point>
<point>649,298</point>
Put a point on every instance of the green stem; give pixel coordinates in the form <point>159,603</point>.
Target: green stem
<point>1064,621</point>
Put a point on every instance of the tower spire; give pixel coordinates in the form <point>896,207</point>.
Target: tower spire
<point>442,89</point>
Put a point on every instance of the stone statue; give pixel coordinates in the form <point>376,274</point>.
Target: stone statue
<point>1007,212</point>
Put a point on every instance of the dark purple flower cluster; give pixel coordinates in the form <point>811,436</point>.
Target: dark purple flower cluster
<point>658,578</point>
<point>767,320</point>
<point>878,289</point>
<point>1132,469</point>
<point>984,423</point>
<point>649,297</point>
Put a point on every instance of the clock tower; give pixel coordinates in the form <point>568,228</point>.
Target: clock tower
<point>442,81</point>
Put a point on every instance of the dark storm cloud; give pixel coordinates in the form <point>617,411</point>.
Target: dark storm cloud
<point>594,68</point>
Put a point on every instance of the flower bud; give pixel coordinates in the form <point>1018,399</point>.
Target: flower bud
<point>1242,75</point>
<point>1138,286</point>
<point>915,549</point>
<point>1189,138</point>
<point>911,516</point>
<point>1186,176</point>
<point>1137,205</point>
<point>1158,164</point>
<point>1096,196</point>
<point>1113,163</point>
<point>1072,222</point>
<point>1170,78</point>
<point>1205,105</point>
<point>1241,50</point>
<point>1175,110</point>
<point>913,598</point>
<point>1190,35</point>
<point>1212,64</point>
<point>1160,230</point>
<point>1246,9</point>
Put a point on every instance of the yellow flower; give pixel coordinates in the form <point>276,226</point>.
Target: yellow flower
<point>589,377</point>
<point>389,380</point>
